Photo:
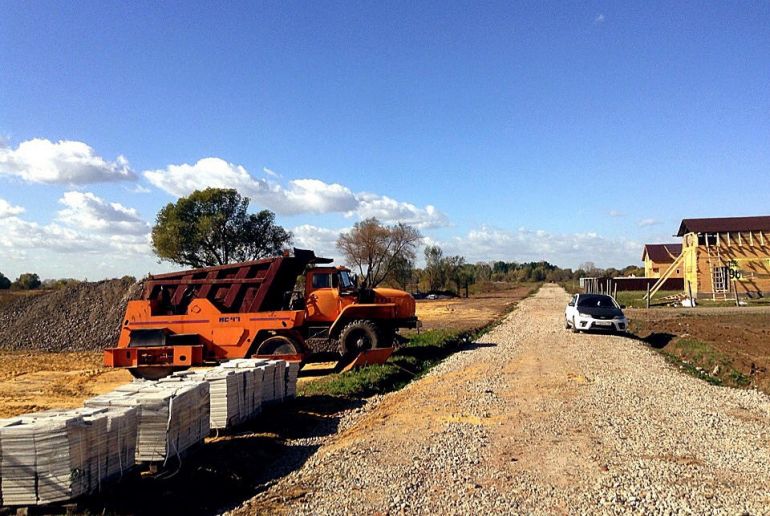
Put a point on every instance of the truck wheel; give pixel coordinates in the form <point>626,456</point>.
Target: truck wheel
<point>358,336</point>
<point>278,345</point>
<point>153,372</point>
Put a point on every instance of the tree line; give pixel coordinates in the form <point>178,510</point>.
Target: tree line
<point>213,227</point>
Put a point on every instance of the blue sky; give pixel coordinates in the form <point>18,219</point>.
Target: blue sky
<point>569,132</point>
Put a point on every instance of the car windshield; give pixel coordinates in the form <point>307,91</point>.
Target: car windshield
<point>596,301</point>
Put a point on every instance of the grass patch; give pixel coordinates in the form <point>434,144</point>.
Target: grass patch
<point>412,360</point>
<point>702,360</point>
<point>635,298</point>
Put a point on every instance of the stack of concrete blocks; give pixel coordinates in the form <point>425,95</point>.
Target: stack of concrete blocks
<point>121,441</point>
<point>260,387</point>
<point>279,380</point>
<point>57,455</point>
<point>231,392</point>
<point>292,372</point>
<point>172,416</point>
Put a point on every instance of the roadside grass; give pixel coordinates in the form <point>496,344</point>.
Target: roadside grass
<point>701,360</point>
<point>572,287</point>
<point>635,298</point>
<point>410,361</point>
<point>8,295</point>
<point>761,301</point>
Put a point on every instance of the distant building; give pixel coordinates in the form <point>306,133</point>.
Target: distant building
<point>658,258</point>
<point>724,256</point>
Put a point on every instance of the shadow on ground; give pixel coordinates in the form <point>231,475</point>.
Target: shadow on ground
<point>230,468</point>
<point>234,467</point>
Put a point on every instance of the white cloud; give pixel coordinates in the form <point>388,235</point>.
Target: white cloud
<point>85,210</point>
<point>648,222</point>
<point>297,196</point>
<point>9,210</point>
<point>312,195</point>
<point>138,189</point>
<point>616,213</point>
<point>391,210</point>
<point>181,180</point>
<point>321,240</point>
<point>271,173</point>
<point>20,235</point>
<point>88,226</point>
<point>599,19</point>
<point>566,250</point>
<point>63,162</point>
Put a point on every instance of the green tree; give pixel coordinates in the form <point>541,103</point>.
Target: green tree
<point>434,267</point>
<point>402,274</point>
<point>5,283</point>
<point>377,250</point>
<point>213,227</point>
<point>27,281</point>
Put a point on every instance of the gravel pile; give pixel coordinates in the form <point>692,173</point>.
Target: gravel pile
<point>83,317</point>
<point>539,420</point>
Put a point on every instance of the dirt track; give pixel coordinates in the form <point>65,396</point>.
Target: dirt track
<point>537,419</point>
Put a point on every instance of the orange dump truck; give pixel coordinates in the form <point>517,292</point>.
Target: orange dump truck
<point>291,306</point>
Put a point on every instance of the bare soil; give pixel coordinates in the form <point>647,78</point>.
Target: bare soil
<point>35,380</point>
<point>735,339</point>
<point>468,313</point>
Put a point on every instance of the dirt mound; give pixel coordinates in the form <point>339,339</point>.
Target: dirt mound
<point>84,317</point>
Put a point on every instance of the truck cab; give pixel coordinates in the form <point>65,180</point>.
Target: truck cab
<point>328,290</point>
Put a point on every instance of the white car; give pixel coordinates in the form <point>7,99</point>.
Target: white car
<point>595,312</point>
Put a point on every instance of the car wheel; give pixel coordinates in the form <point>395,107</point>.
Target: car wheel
<point>574,326</point>
<point>566,324</point>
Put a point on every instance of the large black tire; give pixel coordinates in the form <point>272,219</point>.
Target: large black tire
<point>278,345</point>
<point>359,336</point>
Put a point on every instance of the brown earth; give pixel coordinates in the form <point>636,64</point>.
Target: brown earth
<point>735,339</point>
<point>473,312</point>
<point>35,380</point>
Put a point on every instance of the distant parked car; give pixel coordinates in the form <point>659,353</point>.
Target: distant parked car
<point>594,312</point>
<point>432,296</point>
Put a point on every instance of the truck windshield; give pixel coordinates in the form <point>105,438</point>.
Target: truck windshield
<point>345,281</point>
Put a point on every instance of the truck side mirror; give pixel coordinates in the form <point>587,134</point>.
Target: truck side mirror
<point>571,304</point>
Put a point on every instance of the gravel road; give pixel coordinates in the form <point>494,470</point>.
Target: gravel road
<point>535,419</point>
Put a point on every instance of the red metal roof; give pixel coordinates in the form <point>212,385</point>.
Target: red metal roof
<point>662,253</point>
<point>724,225</point>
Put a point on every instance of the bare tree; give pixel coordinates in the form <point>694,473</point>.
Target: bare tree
<point>377,250</point>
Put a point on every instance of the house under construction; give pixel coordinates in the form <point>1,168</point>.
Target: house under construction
<point>722,257</point>
<point>658,258</point>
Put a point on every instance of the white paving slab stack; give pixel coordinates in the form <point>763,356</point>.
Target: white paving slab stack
<point>279,380</point>
<point>292,372</point>
<point>260,389</point>
<point>172,416</point>
<point>57,455</point>
<point>230,394</point>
